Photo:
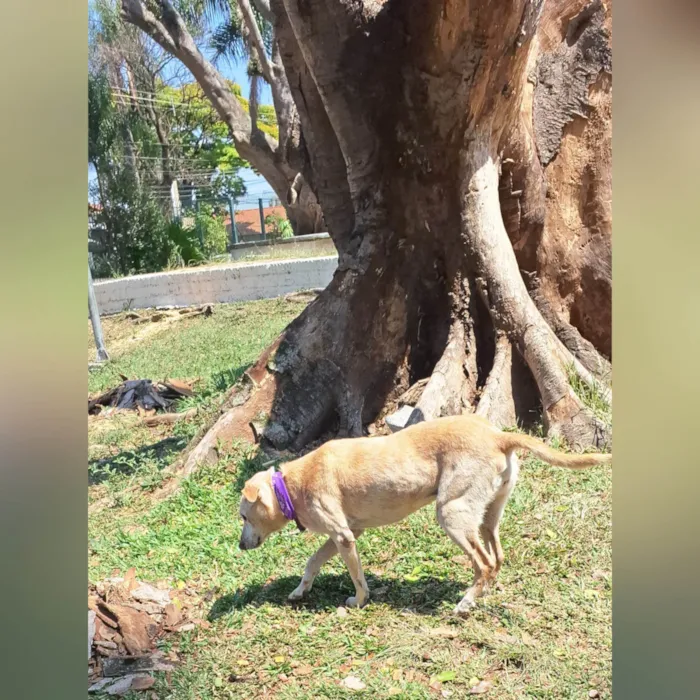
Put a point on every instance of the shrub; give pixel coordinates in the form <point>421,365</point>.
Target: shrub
<point>277,226</point>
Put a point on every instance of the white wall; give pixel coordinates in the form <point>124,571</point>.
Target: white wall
<point>214,284</point>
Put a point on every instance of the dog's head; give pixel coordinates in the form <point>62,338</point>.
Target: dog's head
<point>259,509</point>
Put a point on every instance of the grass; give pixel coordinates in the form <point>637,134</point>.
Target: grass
<point>592,395</point>
<point>546,634</point>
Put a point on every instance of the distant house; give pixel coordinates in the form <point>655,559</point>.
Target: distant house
<point>248,222</point>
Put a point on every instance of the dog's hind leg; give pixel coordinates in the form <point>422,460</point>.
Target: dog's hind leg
<point>347,546</point>
<point>494,511</point>
<point>460,519</point>
<point>324,554</point>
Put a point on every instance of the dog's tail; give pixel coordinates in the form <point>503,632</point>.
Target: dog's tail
<point>516,441</point>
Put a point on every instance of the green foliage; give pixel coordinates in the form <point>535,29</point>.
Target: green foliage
<point>277,226</point>
<point>186,248</point>
<point>211,227</point>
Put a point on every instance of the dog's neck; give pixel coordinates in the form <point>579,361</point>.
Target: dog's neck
<point>293,486</point>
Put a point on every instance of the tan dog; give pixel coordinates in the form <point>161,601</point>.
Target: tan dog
<point>345,486</point>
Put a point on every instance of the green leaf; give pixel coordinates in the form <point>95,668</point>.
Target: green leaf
<point>446,676</point>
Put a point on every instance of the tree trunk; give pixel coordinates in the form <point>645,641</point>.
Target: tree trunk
<point>461,153</point>
<point>285,165</point>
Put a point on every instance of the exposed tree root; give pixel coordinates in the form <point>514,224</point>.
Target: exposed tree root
<point>511,307</point>
<point>496,403</point>
<point>446,392</point>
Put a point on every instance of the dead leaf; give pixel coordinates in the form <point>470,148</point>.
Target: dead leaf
<point>528,639</point>
<point>462,559</point>
<point>395,691</point>
<point>304,670</point>
<point>353,683</point>
<point>179,386</point>
<point>106,616</point>
<point>136,627</point>
<point>480,688</point>
<point>172,615</point>
<point>142,682</point>
<point>448,632</point>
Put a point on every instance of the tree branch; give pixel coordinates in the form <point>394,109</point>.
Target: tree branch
<point>327,173</point>
<point>171,33</point>
<point>263,7</point>
<point>266,65</point>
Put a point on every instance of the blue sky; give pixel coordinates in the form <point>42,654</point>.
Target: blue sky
<point>236,71</point>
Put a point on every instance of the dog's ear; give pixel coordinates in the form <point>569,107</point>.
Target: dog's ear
<point>251,492</point>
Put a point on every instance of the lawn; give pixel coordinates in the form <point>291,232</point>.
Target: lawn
<point>546,633</point>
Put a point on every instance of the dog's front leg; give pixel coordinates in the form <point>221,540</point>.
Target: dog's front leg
<point>347,546</point>
<point>326,552</point>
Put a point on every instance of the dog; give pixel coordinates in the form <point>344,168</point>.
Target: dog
<point>463,463</point>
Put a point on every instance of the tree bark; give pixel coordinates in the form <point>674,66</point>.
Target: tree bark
<point>448,142</point>
<point>282,164</point>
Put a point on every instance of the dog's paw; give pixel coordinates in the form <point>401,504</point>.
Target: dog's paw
<point>297,594</point>
<point>352,602</point>
<point>464,608</point>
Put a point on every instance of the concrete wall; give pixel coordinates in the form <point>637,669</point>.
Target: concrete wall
<point>315,243</point>
<point>242,282</point>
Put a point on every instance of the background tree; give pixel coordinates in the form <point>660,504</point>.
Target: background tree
<point>148,128</point>
<point>284,161</point>
<point>461,154</point>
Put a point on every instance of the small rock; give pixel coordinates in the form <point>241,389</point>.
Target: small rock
<point>105,644</point>
<point>397,421</point>
<point>593,694</point>
<point>120,686</point>
<point>96,687</point>
<point>353,683</point>
<point>91,631</point>
<point>342,612</point>
<point>481,687</point>
<point>149,594</point>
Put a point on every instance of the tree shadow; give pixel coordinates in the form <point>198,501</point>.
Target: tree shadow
<point>130,461</point>
<point>423,596</point>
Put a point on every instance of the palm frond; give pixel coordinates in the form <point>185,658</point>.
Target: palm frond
<point>228,41</point>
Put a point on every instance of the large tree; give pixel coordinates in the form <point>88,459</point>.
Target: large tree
<point>461,153</point>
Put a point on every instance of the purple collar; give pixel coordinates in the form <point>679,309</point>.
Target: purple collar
<point>286,505</point>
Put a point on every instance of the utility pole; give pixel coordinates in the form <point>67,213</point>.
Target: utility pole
<point>234,230</point>
<point>175,200</point>
<point>102,355</point>
<point>262,218</point>
<point>197,224</point>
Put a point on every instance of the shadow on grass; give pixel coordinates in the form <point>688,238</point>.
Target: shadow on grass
<point>130,461</point>
<point>424,596</point>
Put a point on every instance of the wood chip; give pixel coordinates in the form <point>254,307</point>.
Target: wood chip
<point>136,627</point>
